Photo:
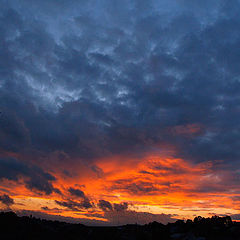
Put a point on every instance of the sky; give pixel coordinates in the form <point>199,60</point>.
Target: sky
<point>115,112</point>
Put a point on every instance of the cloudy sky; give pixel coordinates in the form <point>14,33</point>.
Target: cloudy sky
<point>115,112</point>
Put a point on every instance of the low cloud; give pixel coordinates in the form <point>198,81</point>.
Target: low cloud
<point>113,218</point>
<point>43,215</point>
<point>131,217</point>
<point>74,205</point>
<point>118,214</point>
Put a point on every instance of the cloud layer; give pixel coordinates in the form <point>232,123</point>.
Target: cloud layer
<point>86,82</point>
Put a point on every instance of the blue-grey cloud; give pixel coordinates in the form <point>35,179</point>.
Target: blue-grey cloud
<point>117,77</point>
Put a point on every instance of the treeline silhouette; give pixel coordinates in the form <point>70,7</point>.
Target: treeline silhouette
<point>26,228</point>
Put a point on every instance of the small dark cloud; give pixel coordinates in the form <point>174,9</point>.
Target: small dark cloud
<point>76,192</point>
<point>146,172</point>
<point>99,172</point>
<point>136,187</point>
<point>85,202</point>
<point>236,198</point>
<point>67,173</point>
<point>119,207</point>
<point>75,206</point>
<point>46,208</point>
<point>6,200</point>
<point>174,169</point>
<point>105,205</point>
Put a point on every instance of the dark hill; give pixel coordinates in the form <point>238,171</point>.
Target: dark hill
<point>26,228</point>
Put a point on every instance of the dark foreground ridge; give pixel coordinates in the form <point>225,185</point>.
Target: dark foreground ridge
<point>24,228</point>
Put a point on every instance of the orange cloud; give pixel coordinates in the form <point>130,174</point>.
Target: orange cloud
<point>155,184</point>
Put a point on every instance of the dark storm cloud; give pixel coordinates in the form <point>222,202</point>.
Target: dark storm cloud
<point>6,200</point>
<point>116,78</point>
<point>34,177</point>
